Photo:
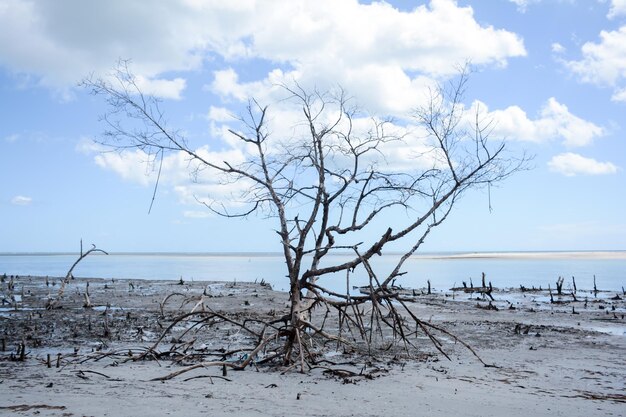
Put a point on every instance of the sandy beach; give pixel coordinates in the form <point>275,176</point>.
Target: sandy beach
<point>532,255</point>
<point>564,358</point>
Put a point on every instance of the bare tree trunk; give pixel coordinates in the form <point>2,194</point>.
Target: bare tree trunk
<point>331,183</point>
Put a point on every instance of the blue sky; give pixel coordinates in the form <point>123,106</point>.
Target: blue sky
<point>550,73</point>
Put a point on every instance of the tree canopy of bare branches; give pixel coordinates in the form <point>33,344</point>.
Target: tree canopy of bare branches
<point>325,184</point>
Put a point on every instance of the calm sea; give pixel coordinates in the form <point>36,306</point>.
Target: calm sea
<point>442,270</point>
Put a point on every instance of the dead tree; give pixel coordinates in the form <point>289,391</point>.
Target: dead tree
<point>324,187</point>
<point>54,302</point>
<point>559,286</point>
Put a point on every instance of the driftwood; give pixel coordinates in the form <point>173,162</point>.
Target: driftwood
<point>378,320</point>
<point>28,407</point>
<point>485,289</point>
<point>480,290</point>
<point>54,302</point>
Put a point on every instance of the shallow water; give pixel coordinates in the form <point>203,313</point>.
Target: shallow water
<point>443,272</point>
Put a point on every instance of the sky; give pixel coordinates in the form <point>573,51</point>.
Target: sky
<point>551,74</point>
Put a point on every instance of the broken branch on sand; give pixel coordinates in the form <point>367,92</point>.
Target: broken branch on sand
<point>54,302</point>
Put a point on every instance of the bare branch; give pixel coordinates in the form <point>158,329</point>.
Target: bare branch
<point>333,186</point>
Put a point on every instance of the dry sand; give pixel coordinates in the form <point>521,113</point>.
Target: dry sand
<point>549,361</point>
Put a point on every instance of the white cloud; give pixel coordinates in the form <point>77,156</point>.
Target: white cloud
<point>226,83</point>
<point>618,8</point>
<point>178,172</point>
<point>603,63</point>
<point>269,89</point>
<point>327,41</point>
<point>387,64</point>
<point>557,48</point>
<point>139,167</point>
<point>571,164</point>
<point>88,146</point>
<point>522,5</point>
<point>171,89</point>
<point>619,95</point>
<point>429,39</point>
<point>63,41</point>
<point>220,114</point>
<point>12,138</point>
<point>284,121</point>
<point>555,121</point>
<point>20,200</point>
<point>134,166</point>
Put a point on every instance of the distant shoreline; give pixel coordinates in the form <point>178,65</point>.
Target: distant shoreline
<point>531,255</point>
<point>598,254</point>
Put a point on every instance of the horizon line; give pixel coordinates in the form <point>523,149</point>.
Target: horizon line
<point>446,253</point>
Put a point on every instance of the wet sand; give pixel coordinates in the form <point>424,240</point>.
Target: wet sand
<point>561,358</point>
